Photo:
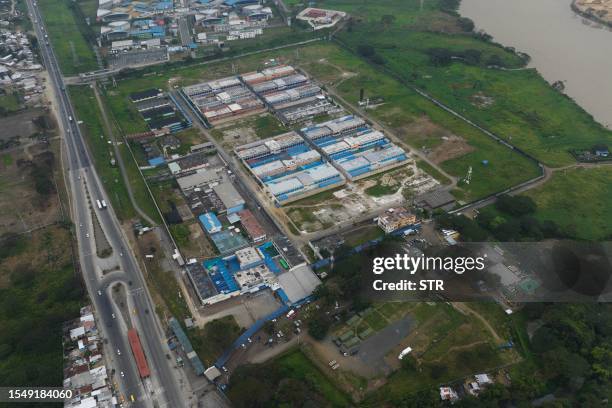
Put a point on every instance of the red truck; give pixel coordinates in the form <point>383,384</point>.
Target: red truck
<point>141,361</point>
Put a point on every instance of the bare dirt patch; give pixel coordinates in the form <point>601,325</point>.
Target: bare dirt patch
<point>20,125</point>
<point>451,147</point>
<point>21,207</point>
<point>422,133</point>
<point>482,101</point>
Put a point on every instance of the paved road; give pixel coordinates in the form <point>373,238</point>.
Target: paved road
<point>162,388</point>
<point>109,130</point>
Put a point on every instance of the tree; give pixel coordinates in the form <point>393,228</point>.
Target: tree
<point>387,20</point>
<point>466,24</point>
<point>516,205</point>
<point>439,56</point>
<point>365,50</point>
<point>268,327</point>
<point>318,325</point>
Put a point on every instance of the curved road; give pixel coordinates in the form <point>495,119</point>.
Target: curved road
<point>162,388</point>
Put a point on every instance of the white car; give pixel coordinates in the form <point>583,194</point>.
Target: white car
<point>122,374</point>
<point>87,235</point>
<point>118,352</point>
<point>99,293</point>
<point>113,315</point>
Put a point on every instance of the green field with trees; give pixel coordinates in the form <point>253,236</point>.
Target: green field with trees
<point>39,290</point>
<point>215,338</point>
<point>290,380</point>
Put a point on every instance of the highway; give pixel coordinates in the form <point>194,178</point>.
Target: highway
<point>162,388</point>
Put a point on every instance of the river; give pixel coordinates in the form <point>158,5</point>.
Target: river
<point>562,45</point>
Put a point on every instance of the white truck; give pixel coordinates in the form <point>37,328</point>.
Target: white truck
<point>99,204</point>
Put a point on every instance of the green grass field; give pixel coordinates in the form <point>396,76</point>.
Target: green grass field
<point>9,102</point>
<point>74,54</point>
<point>517,104</point>
<point>84,101</point>
<point>578,200</point>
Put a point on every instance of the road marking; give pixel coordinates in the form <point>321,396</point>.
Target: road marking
<point>137,291</point>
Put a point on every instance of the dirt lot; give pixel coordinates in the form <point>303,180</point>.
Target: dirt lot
<point>452,146</point>
<point>246,309</point>
<point>358,199</point>
<point>21,208</point>
<point>19,125</point>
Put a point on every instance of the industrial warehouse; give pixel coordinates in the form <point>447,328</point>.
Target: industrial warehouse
<point>346,149</point>
<point>288,168</point>
<point>222,99</point>
<point>249,270</point>
<point>355,148</point>
<point>289,94</point>
<point>160,112</point>
<point>133,26</point>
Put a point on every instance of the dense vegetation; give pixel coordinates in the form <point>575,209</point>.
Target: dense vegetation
<point>41,292</point>
<point>215,338</point>
<point>288,381</point>
<point>510,219</point>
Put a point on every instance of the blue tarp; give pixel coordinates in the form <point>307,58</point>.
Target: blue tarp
<point>156,161</point>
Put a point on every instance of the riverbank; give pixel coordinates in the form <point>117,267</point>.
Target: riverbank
<point>582,10</point>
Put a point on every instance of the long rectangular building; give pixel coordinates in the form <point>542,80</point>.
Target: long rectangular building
<point>372,161</point>
<point>267,74</point>
<point>304,183</point>
<point>223,98</point>
<point>267,147</point>
<point>334,128</point>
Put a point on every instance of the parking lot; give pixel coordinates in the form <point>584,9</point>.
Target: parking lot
<point>135,58</point>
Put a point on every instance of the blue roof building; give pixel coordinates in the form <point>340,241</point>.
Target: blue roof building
<point>156,161</point>
<point>210,222</point>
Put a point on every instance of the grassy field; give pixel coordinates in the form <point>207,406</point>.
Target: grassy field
<point>74,54</point>
<point>9,102</point>
<point>447,345</point>
<point>84,101</point>
<point>517,104</point>
<point>578,200</point>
